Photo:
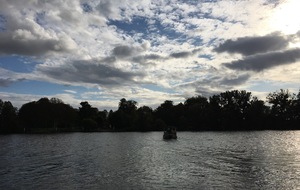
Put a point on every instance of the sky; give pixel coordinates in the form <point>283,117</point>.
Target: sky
<point>149,51</point>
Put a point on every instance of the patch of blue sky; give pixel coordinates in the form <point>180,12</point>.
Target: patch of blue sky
<point>212,41</point>
<point>206,56</point>
<point>42,88</point>
<point>17,64</point>
<point>169,31</point>
<point>86,7</point>
<point>136,25</point>
<point>40,18</point>
<point>196,41</point>
<point>146,27</point>
<point>3,22</point>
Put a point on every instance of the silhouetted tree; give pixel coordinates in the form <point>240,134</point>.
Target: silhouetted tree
<point>257,114</point>
<point>233,106</point>
<point>127,106</point>
<point>196,112</point>
<point>165,112</point>
<point>8,117</point>
<point>86,111</point>
<point>179,117</point>
<point>230,110</point>
<point>56,101</point>
<point>47,114</point>
<point>102,119</point>
<point>215,113</point>
<point>125,118</point>
<point>281,108</point>
<point>89,116</point>
<point>145,119</point>
<point>295,111</point>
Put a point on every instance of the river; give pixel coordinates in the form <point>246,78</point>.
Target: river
<point>196,160</point>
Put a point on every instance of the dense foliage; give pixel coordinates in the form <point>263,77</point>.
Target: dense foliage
<point>230,110</point>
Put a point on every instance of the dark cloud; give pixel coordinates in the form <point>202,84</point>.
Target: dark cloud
<point>4,82</point>
<point>152,57</point>
<point>122,51</point>
<point>89,72</point>
<point>135,54</point>
<point>261,62</point>
<point>254,45</point>
<point>9,44</point>
<point>145,58</point>
<point>229,80</point>
<point>215,84</point>
<point>125,51</point>
<point>234,80</point>
<point>184,54</point>
<point>110,59</point>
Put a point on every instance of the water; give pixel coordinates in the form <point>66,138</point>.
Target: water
<point>202,160</point>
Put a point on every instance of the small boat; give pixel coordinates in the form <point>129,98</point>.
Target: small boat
<point>170,133</point>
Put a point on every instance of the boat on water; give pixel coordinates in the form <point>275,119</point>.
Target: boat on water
<point>170,133</point>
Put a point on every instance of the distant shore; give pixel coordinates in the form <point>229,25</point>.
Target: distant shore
<point>228,111</point>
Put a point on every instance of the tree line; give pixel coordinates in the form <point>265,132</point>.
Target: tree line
<point>230,110</point>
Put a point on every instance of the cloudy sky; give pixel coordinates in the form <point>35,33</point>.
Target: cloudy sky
<point>149,51</point>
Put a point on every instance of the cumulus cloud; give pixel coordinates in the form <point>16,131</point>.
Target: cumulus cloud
<point>148,57</point>
<point>90,72</point>
<point>4,82</point>
<point>156,57</point>
<point>107,9</point>
<point>33,30</point>
<point>22,42</point>
<point>253,45</point>
<point>234,80</point>
<point>184,54</point>
<point>215,82</point>
<point>180,54</point>
<point>8,77</point>
<point>261,62</point>
<point>123,51</point>
<point>125,43</point>
<point>126,51</point>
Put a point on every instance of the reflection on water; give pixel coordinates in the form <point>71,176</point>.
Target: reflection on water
<point>206,160</point>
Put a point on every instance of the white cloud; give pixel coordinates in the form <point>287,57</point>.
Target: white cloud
<point>76,44</point>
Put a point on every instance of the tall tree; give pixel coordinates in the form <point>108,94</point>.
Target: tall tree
<point>88,115</point>
<point>8,117</point>
<point>86,111</point>
<point>233,108</point>
<point>45,113</point>
<point>125,118</point>
<point>145,119</point>
<point>127,105</point>
<point>281,107</point>
<point>196,112</point>
<point>165,112</point>
<point>256,114</point>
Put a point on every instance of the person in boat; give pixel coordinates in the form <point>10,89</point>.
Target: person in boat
<point>170,133</point>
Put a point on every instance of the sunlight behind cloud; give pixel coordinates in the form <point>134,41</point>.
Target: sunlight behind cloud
<point>286,17</point>
<point>178,48</point>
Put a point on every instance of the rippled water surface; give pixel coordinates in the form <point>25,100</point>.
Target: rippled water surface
<point>202,160</point>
